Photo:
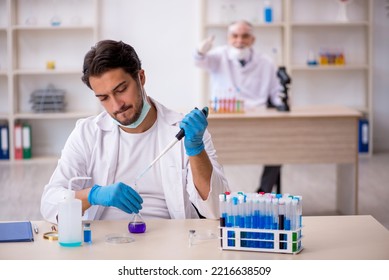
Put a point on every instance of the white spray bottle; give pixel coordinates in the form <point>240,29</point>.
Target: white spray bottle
<point>70,218</point>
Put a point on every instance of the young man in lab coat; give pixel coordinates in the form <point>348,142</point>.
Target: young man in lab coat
<point>238,70</point>
<point>114,147</point>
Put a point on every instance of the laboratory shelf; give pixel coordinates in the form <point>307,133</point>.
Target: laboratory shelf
<point>50,116</point>
<point>43,71</point>
<point>329,24</point>
<point>28,26</point>
<point>51,28</point>
<point>329,67</point>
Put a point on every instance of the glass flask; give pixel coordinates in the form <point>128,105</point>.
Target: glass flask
<point>137,224</point>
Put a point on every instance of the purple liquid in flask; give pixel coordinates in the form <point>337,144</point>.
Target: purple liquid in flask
<point>137,225</point>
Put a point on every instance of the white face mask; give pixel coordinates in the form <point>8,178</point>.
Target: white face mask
<point>145,109</point>
<point>239,53</point>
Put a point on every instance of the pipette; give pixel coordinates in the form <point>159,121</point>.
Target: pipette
<point>177,138</point>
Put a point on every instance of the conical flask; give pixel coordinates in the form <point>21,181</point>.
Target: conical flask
<point>137,224</point>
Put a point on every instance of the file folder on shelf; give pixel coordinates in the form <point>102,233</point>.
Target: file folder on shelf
<point>26,141</point>
<point>16,232</point>
<point>18,142</point>
<point>4,142</point>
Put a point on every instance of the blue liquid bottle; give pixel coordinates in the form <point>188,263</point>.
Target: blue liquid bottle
<point>268,11</point>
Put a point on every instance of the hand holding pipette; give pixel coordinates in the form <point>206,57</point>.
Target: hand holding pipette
<point>192,127</point>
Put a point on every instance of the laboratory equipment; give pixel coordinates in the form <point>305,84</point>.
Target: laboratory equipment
<point>69,218</point>
<point>118,238</point>
<point>137,224</point>
<point>198,236</point>
<point>342,10</point>
<point>87,233</point>
<point>51,236</point>
<point>178,137</point>
<point>268,11</point>
<point>266,223</point>
<point>285,80</point>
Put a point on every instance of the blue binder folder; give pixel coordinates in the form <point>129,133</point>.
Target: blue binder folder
<point>4,142</point>
<point>363,142</point>
<point>16,232</point>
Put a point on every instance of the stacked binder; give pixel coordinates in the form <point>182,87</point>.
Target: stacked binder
<point>22,141</point>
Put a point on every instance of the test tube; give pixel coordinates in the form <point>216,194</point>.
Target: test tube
<point>230,221</point>
<point>288,213</point>
<point>262,218</point>
<point>249,219</point>
<point>222,209</point>
<point>281,218</point>
<point>300,210</point>
<point>223,215</point>
<point>235,211</point>
<point>275,214</point>
<point>242,215</point>
<point>268,221</point>
<point>294,222</point>
<point>255,221</point>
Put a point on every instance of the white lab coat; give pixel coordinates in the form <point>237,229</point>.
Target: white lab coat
<point>92,150</point>
<point>254,83</point>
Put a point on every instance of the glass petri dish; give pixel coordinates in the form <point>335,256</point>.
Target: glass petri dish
<point>118,238</point>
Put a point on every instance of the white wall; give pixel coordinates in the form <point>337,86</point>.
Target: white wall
<point>165,33</point>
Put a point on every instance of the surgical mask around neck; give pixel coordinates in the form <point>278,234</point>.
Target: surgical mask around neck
<point>239,53</point>
<point>145,109</point>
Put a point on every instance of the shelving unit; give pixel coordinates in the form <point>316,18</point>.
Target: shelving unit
<point>33,34</point>
<point>301,27</point>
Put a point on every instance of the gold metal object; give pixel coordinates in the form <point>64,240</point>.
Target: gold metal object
<point>51,235</point>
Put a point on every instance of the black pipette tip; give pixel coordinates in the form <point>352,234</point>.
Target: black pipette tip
<point>181,133</point>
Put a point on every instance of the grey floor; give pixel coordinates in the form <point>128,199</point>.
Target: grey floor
<point>21,185</point>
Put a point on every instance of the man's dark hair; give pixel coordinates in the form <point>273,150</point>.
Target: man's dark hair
<point>107,55</point>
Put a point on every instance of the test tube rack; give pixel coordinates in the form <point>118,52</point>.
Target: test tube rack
<point>261,240</point>
<point>226,106</point>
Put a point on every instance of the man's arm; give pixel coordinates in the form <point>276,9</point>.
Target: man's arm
<point>194,124</point>
<point>201,167</point>
<point>83,196</point>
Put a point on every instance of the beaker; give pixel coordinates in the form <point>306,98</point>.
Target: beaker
<point>137,224</point>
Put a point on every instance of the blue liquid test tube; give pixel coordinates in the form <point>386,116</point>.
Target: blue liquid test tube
<point>230,222</point>
<point>275,217</point>
<point>241,218</point>
<point>222,209</point>
<point>223,215</point>
<point>249,220</point>
<point>268,221</point>
<point>262,221</point>
<point>256,222</point>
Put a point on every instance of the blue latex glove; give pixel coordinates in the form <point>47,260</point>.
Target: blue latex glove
<point>194,125</point>
<point>118,195</point>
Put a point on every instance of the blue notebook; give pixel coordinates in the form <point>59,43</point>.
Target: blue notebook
<point>16,232</point>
